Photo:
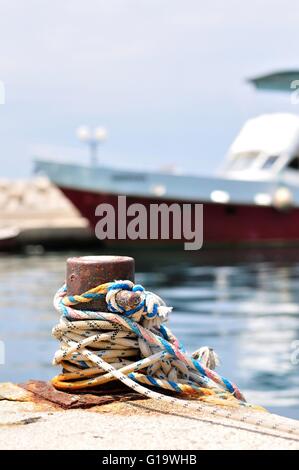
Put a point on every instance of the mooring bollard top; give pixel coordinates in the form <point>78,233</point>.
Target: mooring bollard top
<point>85,272</point>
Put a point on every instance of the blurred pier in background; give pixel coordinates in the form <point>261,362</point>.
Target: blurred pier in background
<point>35,213</point>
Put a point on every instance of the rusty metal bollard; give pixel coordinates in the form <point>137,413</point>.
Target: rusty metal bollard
<point>85,272</point>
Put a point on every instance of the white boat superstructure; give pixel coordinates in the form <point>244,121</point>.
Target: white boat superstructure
<point>266,148</point>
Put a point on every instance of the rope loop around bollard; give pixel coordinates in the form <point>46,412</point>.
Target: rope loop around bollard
<point>132,343</point>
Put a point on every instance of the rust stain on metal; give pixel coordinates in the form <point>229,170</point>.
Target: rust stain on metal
<point>84,399</point>
<point>86,272</point>
<point>128,299</point>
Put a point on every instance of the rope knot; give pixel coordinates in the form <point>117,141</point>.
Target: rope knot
<point>133,301</point>
<point>207,356</point>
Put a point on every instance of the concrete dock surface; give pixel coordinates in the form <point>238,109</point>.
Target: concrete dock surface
<point>143,424</point>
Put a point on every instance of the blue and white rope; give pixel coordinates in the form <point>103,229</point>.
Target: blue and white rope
<point>135,346</point>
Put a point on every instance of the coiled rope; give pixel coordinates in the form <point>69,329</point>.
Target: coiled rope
<point>133,344</point>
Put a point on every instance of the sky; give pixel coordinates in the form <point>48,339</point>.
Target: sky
<point>167,78</point>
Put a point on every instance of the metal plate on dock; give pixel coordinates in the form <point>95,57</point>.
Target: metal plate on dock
<point>86,398</point>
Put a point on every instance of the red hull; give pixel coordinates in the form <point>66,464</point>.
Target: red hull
<point>223,223</point>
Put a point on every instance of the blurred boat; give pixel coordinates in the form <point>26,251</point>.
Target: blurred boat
<point>253,199</point>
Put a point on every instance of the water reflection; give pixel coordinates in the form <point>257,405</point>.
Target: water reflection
<point>243,305</point>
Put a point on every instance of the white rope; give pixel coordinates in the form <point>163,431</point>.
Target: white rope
<point>98,347</point>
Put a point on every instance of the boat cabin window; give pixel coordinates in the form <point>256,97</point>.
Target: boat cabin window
<point>294,163</point>
<point>242,161</point>
<point>270,162</point>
